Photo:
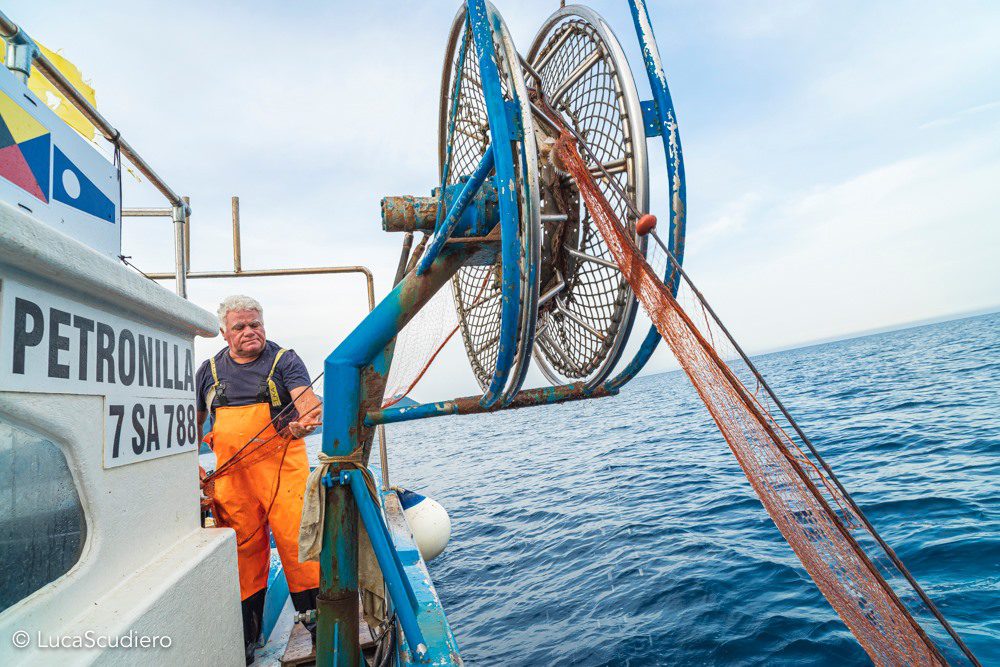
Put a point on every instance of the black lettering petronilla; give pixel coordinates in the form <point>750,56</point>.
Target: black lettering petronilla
<point>74,347</point>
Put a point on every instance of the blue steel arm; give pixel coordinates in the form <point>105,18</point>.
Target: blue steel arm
<point>667,119</point>
<point>348,397</point>
<point>500,136</point>
<point>403,599</point>
<point>447,227</point>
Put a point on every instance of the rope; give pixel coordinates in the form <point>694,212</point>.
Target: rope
<point>314,501</point>
<point>239,455</point>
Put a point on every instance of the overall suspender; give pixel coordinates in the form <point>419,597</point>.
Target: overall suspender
<point>217,390</point>
<point>268,389</point>
<point>272,388</point>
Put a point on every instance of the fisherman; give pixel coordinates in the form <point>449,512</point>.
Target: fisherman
<point>259,392</point>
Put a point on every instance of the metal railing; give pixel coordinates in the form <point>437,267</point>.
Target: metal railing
<point>238,270</point>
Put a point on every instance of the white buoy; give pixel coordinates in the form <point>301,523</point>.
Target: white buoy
<point>429,522</point>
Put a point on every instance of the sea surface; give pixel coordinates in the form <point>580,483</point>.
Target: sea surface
<point>621,531</point>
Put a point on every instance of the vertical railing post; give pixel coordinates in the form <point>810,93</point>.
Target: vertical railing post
<point>337,603</point>
<point>237,249</point>
<point>667,119</point>
<point>180,266</point>
<point>187,233</point>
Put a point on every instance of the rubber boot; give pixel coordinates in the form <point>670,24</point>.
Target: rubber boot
<point>253,614</point>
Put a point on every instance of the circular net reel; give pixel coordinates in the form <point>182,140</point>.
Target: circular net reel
<point>586,307</point>
<point>464,137</point>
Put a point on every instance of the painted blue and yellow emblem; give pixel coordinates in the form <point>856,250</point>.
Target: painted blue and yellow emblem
<point>25,149</point>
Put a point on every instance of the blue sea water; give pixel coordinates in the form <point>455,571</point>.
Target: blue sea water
<point>622,531</point>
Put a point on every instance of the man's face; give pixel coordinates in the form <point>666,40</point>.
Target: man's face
<point>244,332</point>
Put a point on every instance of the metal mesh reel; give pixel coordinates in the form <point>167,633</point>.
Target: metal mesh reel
<point>586,308</point>
<point>464,133</point>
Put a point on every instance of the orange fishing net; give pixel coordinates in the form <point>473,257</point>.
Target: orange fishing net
<point>255,450</point>
<point>812,515</point>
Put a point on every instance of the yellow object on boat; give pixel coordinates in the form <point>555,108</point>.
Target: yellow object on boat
<point>53,99</point>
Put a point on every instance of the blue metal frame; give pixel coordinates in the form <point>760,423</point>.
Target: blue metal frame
<point>403,598</point>
<point>444,231</point>
<point>510,246</point>
<point>355,371</point>
<point>353,384</point>
<point>667,118</point>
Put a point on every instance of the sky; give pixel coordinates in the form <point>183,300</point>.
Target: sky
<point>843,159</point>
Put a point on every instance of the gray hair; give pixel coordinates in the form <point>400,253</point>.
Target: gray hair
<point>237,302</point>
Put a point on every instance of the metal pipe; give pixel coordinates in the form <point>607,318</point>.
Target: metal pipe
<point>151,212</point>
<point>589,258</point>
<point>531,71</point>
<point>237,248</point>
<point>8,28</point>
<point>667,118</point>
<point>469,190</point>
<point>549,127</point>
<point>383,451</point>
<point>576,75</point>
<point>501,134</point>
<point>404,258</point>
<point>468,405</point>
<point>349,390</point>
<point>543,299</point>
<point>579,320</point>
<point>408,213</point>
<point>318,270</point>
<point>180,266</point>
<point>187,233</point>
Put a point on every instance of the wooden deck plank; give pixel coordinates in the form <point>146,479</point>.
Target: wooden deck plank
<point>299,651</point>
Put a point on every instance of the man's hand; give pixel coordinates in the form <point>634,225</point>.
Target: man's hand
<point>310,410</point>
<point>304,426</point>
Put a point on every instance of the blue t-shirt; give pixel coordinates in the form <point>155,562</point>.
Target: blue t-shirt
<point>245,384</point>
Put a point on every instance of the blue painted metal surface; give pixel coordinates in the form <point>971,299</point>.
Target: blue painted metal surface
<point>480,215</point>
<point>514,121</point>
<point>650,119</point>
<point>482,23</point>
<point>276,596</point>
<point>667,119</point>
<point>403,598</point>
<point>455,212</point>
<point>413,412</point>
<point>471,404</point>
<point>348,389</point>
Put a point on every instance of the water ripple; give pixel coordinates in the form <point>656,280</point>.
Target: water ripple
<point>622,531</point>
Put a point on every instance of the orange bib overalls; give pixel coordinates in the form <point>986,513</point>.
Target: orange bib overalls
<point>267,494</point>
